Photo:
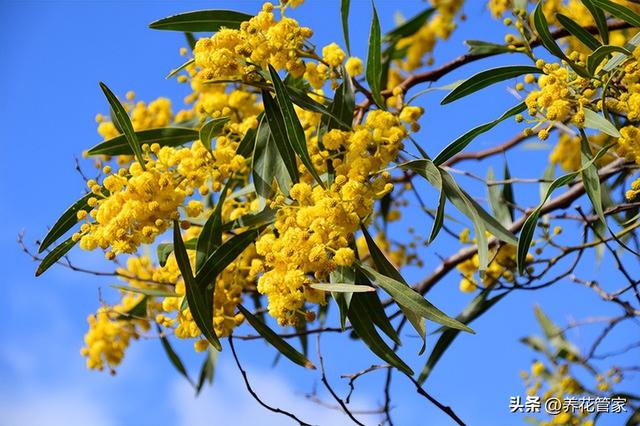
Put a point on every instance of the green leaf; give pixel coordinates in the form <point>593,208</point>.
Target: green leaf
<point>199,297</point>
<point>576,30</point>
<point>498,205</point>
<point>342,287</point>
<point>173,356</point>
<point>548,327</point>
<point>191,40</point>
<point>411,26</point>
<point>164,136</point>
<point>294,130</point>
<point>408,297</point>
<point>138,311</point>
<point>163,251</point>
<point>121,117</point>
<point>384,266</point>
<point>487,78</point>
<point>211,129</point>
<point>590,177</point>
<point>343,299</point>
<point>201,21</point>
<point>180,68</point>
<point>343,105</point>
<point>224,255</point>
<point>463,141</point>
<point>54,255</point>
<point>602,52</point>
<point>153,292</point>
<point>599,18</point>
<point>507,191</point>
<point>593,120</point>
<point>373,72</point>
<point>618,58</point>
<point>542,28</point>
<point>344,14</point>
<point>267,164</point>
<point>210,237</point>
<point>529,226</point>
<point>279,132</point>
<point>478,306</point>
<point>619,11</point>
<point>362,323</point>
<point>245,147</point>
<point>276,341</point>
<point>485,48</point>
<point>438,220</point>
<point>65,222</point>
<point>208,369</point>
<point>251,220</point>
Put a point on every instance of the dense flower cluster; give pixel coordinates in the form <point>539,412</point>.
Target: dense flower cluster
<point>316,230</point>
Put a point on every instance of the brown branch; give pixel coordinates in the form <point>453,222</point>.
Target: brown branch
<point>559,202</point>
<point>326,384</point>
<point>352,377</point>
<point>254,394</point>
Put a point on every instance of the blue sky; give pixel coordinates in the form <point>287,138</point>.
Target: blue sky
<point>54,53</point>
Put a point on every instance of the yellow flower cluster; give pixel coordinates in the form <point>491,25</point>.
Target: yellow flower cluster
<point>628,101</point>
<point>440,26</point>
<point>110,332</point>
<point>566,153</point>
<point>157,114</point>
<point>314,232</point>
<point>561,97</point>
<point>502,266</point>
<point>231,54</point>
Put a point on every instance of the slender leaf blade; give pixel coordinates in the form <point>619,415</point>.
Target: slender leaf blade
<point>201,21</point>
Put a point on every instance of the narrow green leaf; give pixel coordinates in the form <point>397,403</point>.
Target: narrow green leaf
<point>201,21</point>
<point>163,251</point>
<point>343,299</point>
<point>65,222</point>
<point>374,60</point>
<point>618,58</point>
<point>173,356</point>
<point>164,136</point>
<point>138,311</point>
<point>267,164</point>
<point>386,268</point>
<point>211,129</point>
<point>294,130</point>
<point>486,78</point>
<point>593,120</point>
<point>411,26</point>
<point>210,237</point>
<point>498,205</point>
<point>180,68</point>
<point>463,141</point>
<point>191,40</point>
<point>542,28</point>
<point>548,327</point>
<point>245,147</point>
<point>208,369</point>
<point>224,255</point>
<point>601,53</point>
<point>619,11</point>
<point>485,48</point>
<point>342,287</point>
<point>478,306</point>
<point>590,177</point>
<point>251,220</point>
<point>279,132</point>
<point>372,303</point>
<point>576,30</point>
<point>362,323</point>
<point>408,297</point>
<point>344,14</point>
<point>122,118</point>
<point>507,191</point>
<point>599,18</point>
<point>54,255</point>
<point>153,292</point>
<point>438,220</point>
<point>276,341</point>
<point>199,297</point>
<point>343,105</point>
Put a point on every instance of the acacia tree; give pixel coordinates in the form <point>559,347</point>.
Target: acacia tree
<point>277,181</point>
